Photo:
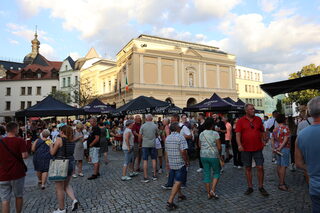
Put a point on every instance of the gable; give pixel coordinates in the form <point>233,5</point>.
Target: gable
<point>65,66</point>
<point>192,52</point>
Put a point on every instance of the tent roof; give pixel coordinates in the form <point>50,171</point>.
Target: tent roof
<point>139,105</point>
<point>215,103</point>
<point>97,107</point>
<point>170,109</point>
<point>292,85</point>
<point>49,107</point>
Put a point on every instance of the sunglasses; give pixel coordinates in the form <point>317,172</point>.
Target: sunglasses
<point>251,125</point>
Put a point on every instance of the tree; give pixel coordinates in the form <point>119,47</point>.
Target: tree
<point>302,97</point>
<point>86,93</point>
<point>61,96</point>
<point>279,106</point>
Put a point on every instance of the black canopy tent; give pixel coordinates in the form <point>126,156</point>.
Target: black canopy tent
<point>97,107</point>
<point>292,85</point>
<point>49,107</point>
<point>139,105</point>
<point>215,103</point>
<point>166,110</point>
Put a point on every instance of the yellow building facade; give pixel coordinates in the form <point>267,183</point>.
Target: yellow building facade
<point>248,82</point>
<point>180,72</point>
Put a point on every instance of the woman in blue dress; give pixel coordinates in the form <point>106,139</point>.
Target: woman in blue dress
<point>42,157</point>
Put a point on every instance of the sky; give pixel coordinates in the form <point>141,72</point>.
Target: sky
<point>276,36</point>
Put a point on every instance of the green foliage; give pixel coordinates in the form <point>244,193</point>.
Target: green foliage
<point>61,96</point>
<point>302,97</point>
<point>279,106</point>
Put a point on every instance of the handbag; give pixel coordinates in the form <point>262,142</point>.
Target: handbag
<point>14,155</point>
<point>212,149</point>
<point>58,168</point>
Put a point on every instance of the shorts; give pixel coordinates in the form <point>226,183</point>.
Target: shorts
<point>180,175</point>
<point>149,151</point>
<point>94,154</point>
<point>284,159</point>
<point>7,187</point>
<point>128,157</point>
<point>228,144</point>
<point>247,157</point>
<point>160,152</point>
<point>104,146</point>
<point>315,199</point>
<point>136,150</point>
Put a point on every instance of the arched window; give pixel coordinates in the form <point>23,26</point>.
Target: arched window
<point>191,101</point>
<point>169,100</point>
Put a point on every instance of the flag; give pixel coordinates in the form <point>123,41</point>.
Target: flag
<point>127,86</point>
<point>119,88</point>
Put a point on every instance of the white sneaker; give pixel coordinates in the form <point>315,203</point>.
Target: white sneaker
<point>75,205</point>
<point>60,211</point>
<point>81,174</point>
<point>292,167</point>
<point>125,178</point>
<point>239,167</point>
<point>160,171</point>
<point>74,175</point>
<point>199,170</point>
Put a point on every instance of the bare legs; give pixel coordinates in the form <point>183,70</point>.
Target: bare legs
<point>260,176</point>
<point>175,189</point>
<point>42,178</point>
<point>145,168</point>
<point>79,165</point>
<point>63,187</point>
<point>96,168</point>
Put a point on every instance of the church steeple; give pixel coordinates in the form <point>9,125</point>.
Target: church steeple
<point>35,43</point>
<point>28,59</point>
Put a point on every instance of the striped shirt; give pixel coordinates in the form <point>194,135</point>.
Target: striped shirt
<point>174,144</point>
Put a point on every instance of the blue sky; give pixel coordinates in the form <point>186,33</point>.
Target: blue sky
<point>275,36</point>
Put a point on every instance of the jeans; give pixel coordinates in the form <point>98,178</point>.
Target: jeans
<point>315,203</point>
<point>171,179</point>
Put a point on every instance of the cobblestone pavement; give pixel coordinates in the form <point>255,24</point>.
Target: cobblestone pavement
<point>109,194</point>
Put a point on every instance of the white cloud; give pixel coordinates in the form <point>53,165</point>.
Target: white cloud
<point>48,52</point>
<point>75,55</point>
<point>15,42</point>
<point>269,5</point>
<point>111,24</point>
<point>26,33</point>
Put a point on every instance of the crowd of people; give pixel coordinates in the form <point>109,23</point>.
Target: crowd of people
<point>170,142</point>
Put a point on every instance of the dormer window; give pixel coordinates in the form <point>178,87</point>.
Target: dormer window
<point>38,75</point>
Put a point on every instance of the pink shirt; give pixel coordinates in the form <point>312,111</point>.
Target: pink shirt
<point>228,133</point>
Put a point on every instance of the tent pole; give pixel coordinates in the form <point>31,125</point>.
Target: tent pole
<point>25,127</point>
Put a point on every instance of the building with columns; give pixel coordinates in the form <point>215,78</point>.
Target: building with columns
<point>248,82</point>
<point>179,72</point>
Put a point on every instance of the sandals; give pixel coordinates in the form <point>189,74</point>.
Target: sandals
<point>214,195</point>
<point>181,198</point>
<point>171,206</point>
<point>283,187</point>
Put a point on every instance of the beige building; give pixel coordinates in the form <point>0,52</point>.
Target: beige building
<point>180,72</point>
<point>248,82</point>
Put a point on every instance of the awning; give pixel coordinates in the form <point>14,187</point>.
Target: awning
<point>97,107</point>
<point>292,85</point>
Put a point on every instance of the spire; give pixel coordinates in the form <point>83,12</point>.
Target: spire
<point>35,43</point>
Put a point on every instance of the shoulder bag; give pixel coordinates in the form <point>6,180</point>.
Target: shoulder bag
<point>212,149</point>
<point>14,155</point>
<point>58,168</point>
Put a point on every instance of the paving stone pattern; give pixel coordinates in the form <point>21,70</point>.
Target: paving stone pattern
<point>109,194</point>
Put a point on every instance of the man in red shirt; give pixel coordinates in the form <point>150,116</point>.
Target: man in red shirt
<point>137,143</point>
<point>12,168</point>
<point>250,140</point>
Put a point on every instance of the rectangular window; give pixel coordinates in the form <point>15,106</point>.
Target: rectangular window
<point>237,87</point>
<point>247,100</point>
<point>249,88</point>
<point>246,88</point>
<point>38,90</point>
<point>76,80</point>
<point>23,91</point>
<point>69,81</point>
<point>8,105</point>
<point>64,82</point>
<point>253,89</point>
<point>29,90</point>
<point>8,91</point>
<point>38,102</point>
<point>53,89</point>
<point>104,87</point>
<point>29,103</point>
<point>254,101</point>
<point>22,105</point>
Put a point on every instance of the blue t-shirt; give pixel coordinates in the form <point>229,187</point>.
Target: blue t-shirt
<point>309,144</point>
